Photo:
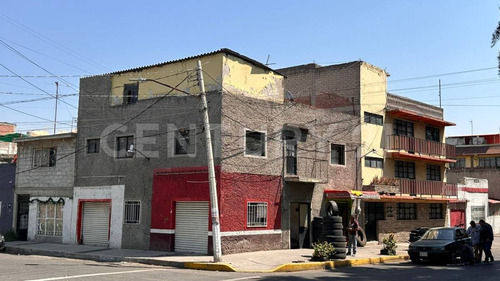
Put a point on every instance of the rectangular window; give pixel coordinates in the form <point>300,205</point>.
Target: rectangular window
<point>432,134</point>
<point>459,164</point>
<point>403,128</point>
<point>45,157</point>
<point>50,219</point>
<point>125,147</point>
<point>130,93</point>
<point>477,213</point>
<point>405,170</point>
<point>487,162</point>
<point>93,145</point>
<point>433,173</point>
<point>436,211</point>
<point>374,162</point>
<point>182,142</point>
<point>256,214</point>
<point>255,143</point>
<point>407,211</point>
<point>374,118</point>
<point>337,154</point>
<point>132,212</point>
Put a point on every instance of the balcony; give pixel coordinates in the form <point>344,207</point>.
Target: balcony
<point>431,188</point>
<point>420,146</point>
<point>307,170</point>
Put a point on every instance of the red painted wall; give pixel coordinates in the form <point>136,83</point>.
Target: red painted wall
<point>238,189</point>
<point>233,190</point>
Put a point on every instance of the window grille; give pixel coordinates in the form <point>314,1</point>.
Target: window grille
<point>132,211</point>
<point>407,211</point>
<point>435,211</point>
<point>50,219</point>
<point>256,214</point>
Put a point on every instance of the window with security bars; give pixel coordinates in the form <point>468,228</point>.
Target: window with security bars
<point>256,214</point>
<point>407,211</point>
<point>436,211</point>
<point>477,213</point>
<point>50,219</point>
<point>132,212</point>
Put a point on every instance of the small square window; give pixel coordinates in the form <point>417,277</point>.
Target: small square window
<point>93,145</point>
<point>256,214</point>
<point>132,212</point>
<point>45,157</point>
<point>125,147</point>
<point>255,143</point>
<point>337,154</point>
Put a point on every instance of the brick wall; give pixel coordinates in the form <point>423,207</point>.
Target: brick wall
<point>402,228</point>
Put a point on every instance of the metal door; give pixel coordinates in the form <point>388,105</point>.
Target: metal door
<point>95,223</point>
<point>191,227</point>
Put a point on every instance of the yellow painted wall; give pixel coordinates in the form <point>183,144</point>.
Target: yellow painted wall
<point>171,74</point>
<point>373,98</point>
<point>244,78</point>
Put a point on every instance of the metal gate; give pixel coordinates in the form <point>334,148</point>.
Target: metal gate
<point>191,227</point>
<point>95,223</point>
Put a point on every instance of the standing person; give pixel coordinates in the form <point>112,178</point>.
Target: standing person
<point>352,232</point>
<point>474,233</point>
<point>486,235</point>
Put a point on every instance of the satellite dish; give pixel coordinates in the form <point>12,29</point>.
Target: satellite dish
<point>289,96</point>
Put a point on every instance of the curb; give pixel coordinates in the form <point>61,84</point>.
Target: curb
<point>290,267</point>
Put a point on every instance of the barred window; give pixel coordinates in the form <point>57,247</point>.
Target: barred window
<point>132,212</point>
<point>433,173</point>
<point>50,219</point>
<point>478,213</point>
<point>374,118</point>
<point>374,162</point>
<point>256,214</point>
<point>407,211</point>
<point>436,211</point>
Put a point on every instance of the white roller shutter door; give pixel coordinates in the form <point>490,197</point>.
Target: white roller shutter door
<point>191,227</point>
<point>95,223</point>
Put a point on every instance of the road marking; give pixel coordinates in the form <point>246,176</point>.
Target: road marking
<point>93,275</point>
<point>243,278</point>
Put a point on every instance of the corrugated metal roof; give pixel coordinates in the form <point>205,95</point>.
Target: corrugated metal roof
<point>223,50</point>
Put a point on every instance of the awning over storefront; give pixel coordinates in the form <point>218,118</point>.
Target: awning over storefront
<point>351,194</point>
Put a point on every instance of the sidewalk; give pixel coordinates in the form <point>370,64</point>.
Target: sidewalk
<point>264,261</point>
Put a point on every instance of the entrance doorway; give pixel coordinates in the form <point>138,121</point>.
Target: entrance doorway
<point>299,225</point>
<point>374,211</point>
<point>457,218</point>
<point>23,209</point>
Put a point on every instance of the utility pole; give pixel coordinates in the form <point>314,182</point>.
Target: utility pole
<point>55,116</point>
<point>211,172</point>
<point>440,93</point>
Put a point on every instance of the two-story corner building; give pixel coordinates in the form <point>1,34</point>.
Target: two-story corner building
<point>44,188</point>
<point>141,164</point>
<point>402,156</point>
<point>478,156</point>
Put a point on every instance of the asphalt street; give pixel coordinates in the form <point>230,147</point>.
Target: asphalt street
<point>42,268</point>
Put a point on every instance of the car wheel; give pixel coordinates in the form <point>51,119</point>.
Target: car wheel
<point>452,258</point>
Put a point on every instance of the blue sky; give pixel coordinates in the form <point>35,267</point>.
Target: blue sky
<point>417,42</point>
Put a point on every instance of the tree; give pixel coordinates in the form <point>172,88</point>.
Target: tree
<point>494,39</point>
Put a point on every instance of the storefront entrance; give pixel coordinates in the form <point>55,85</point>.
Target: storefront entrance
<point>299,225</point>
<point>374,211</point>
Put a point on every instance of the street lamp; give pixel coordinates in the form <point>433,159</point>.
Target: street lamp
<point>210,157</point>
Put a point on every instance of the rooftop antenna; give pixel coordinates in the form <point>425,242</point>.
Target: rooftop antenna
<point>267,61</point>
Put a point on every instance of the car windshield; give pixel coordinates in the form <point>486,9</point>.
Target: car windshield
<point>439,234</point>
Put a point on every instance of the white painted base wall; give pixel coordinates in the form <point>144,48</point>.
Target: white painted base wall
<point>117,195</point>
<point>67,218</point>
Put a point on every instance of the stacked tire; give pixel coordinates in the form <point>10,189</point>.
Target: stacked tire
<point>333,231</point>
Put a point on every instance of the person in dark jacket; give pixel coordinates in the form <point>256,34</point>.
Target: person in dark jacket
<point>486,236</point>
<point>352,232</point>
